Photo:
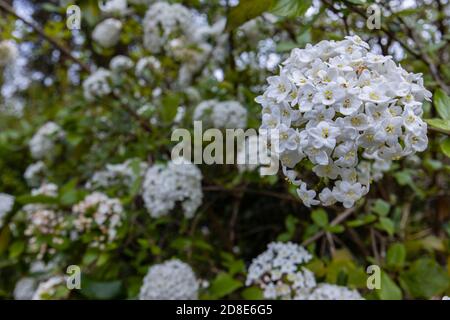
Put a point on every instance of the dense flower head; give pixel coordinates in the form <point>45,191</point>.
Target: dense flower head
<point>165,186</point>
<point>97,84</point>
<point>52,289</point>
<point>8,52</point>
<point>24,289</point>
<point>171,280</point>
<point>122,174</point>
<point>347,111</point>
<point>280,273</point>
<point>35,173</point>
<point>326,291</point>
<point>120,63</point>
<point>99,215</point>
<point>6,205</point>
<point>221,114</point>
<point>44,140</point>
<point>107,32</point>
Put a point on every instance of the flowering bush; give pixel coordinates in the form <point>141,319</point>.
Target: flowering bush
<point>358,117</point>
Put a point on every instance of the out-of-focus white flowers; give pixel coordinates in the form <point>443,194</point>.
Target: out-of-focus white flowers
<point>326,291</point>
<point>445,298</point>
<point>44,140</point>
<point>147,67</point>
<point>165,186</point>
<point>121,63</point>
<point>35,173</point>
<point>8,52</point>
<point>107,32</point>
<point>52,289</point>
<point>101,215</point>
<point>221,115</point>
<point>280,273</point>
<point>171,280</point>
<point>347,111</point>
<point>117,7</point>
<point>24,289</point>
<point>6,205</point>
<point>123,174</point>
<point>97,84</point>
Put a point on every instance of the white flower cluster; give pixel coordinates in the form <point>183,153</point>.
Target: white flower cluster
<point>147,67</point>
<point>171,280</point>
<point>98,213</point>
<point>118,7</point>
<point>8,52</point>
<point>120,63</point>
<point>326,291</point>
<point>35,173</point>
<point>49,289</point>
<point>280,273</point>
<point>163,22</point>
<point>44,140</point>
<point>221,114</point>
<point>165,186</point>
<point>24,289</point>
<point>97,84</point>
<point>6,205</point>
<point>335,104</point>
<point>107,32</point>
<point>123,174</point>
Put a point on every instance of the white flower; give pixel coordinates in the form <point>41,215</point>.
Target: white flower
<point>6,205</point>
<point>120,63</point>
<point>97,84</point>
<point>113,6</point>
<point>107,32</point>
<point>44,140</point>
<point>34,174</point>
<point>24,289</point>
<point>8,52</point>
<point>100,214</point>
<point>47,290</point>
<point>221,115</point>
<point>339,106</point>
<point>171,280</point>
<point>279,271</point>
<point>147,67</point>
<point>165,186</point>
<point>325,291</point>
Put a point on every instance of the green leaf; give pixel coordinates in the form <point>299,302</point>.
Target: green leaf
<point>381,207</point>
<point>170,104</point>
<point>68,194</point>
<point>425,279</point>
<point>291,8</point>
<point>252,293</point>
<point>223,285</point>
<point>102,290</point>
<point>442,103</point>
<point>387,225</point>
<point>245,11</point>
<point>440,124</point>
<point>369,218</point>
<point>16,249</point>
<point>320,217</point>
<point>396,255</point>
<point>445,147</point>
<point>389,289</point>
<point>335,229</point>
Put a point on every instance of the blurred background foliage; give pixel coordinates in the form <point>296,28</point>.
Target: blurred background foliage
<point>402,225</point>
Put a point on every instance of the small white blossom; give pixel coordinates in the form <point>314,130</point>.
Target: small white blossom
<point>24,289</point>
<point>107,32</point>
<point>44,140</point>
<point>121,63</point>
<point>97,84</point>
<point>171,280</point>
<point>221,115</point>
<point>8,52</point>
<point>6,205</point>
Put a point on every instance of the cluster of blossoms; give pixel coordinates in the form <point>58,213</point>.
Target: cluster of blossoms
<point>165,186</point>
<point>107,32</point>
<point>343,109</point>
<point>44,140</point>
<point>122,174</point>
<point>280,273</point>
<point>120,63</point>
<point>6,205</point>
<point>8,52</point>
<point>326,291</point>
<point>97,84</point>
<point>171,280</point>
<point>45,223</point>
<point>24,289</point>
<point>52,289</point>
<point>35,173</point>
<point>221,115</point>
<point>118,7</point>
<point>100,215</point>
